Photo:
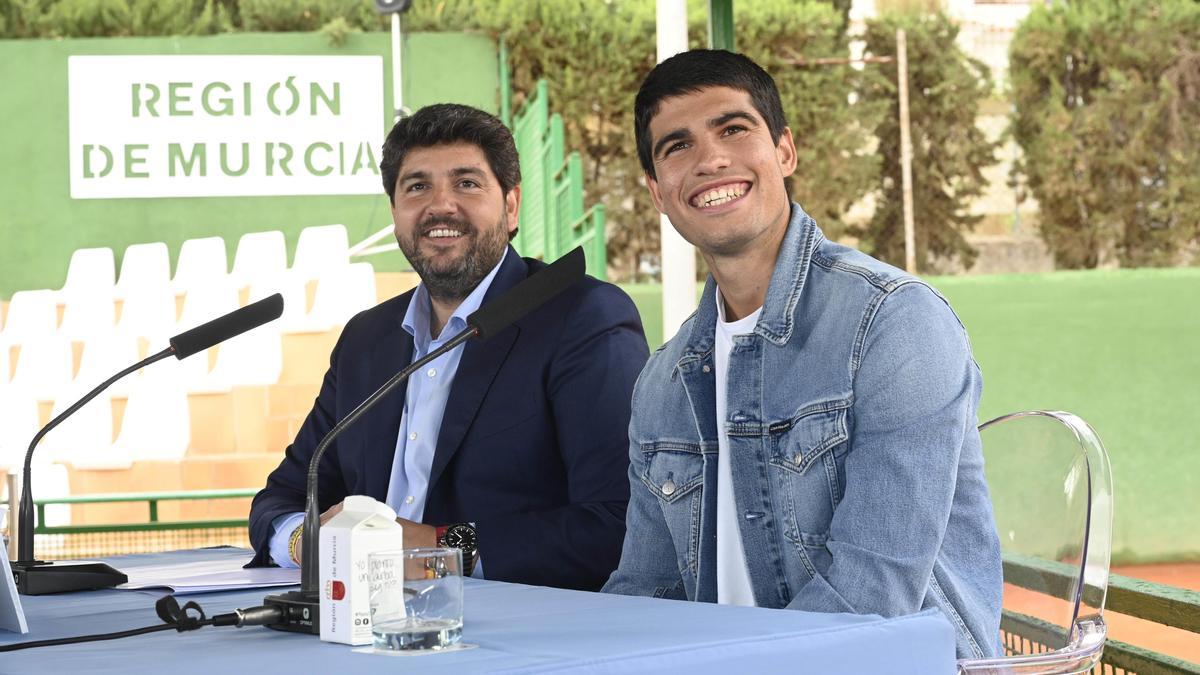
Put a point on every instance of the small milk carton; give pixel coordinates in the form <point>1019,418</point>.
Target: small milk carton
<point>362,527</point>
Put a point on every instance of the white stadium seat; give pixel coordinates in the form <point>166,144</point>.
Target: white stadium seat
<point>200,262</point>
<point>148,311</point>
<point>18,424</point>
<point>32,315</point>
<point>83,438</point>
<point>156,425</point>
<point>90,270</point>
<point>105,355</point>
<point>87,313</point>
<point>144,266</point>
<point>321,249</point>
<point>44,368</point>
<point>260,256</point>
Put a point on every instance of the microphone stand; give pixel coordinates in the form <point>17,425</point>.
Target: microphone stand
<point>300,610</point>
<point>38,577</point>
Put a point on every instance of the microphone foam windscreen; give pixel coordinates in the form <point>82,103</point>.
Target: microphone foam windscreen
<point>221,329</point>
<point>528,295</point>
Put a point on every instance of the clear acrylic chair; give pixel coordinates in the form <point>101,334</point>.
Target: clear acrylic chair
<point>1052,496</point>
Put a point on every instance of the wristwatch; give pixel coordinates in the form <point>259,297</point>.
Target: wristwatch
<point>462,537</point>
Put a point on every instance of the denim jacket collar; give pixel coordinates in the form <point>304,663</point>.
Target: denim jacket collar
<point>778,316</point>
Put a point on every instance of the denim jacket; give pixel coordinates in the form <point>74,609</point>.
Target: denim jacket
<point>856,461</point>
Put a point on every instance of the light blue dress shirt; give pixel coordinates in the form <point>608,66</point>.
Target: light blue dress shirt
<point>424,406</point>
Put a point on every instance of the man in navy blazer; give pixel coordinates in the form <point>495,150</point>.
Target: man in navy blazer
<point>514,449</point>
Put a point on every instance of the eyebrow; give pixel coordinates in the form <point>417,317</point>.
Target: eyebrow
<point>720,120</point>
<point>457,172</point>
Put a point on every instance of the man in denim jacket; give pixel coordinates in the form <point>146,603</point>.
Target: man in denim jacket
<point>808,439</point>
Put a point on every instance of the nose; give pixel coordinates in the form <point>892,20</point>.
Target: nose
<point>442,202</point>
<point>711,158</point>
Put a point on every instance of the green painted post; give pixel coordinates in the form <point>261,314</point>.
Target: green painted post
<point>720,25</point>
<point>505,87</point>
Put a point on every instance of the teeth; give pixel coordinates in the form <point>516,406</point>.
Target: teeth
<point>443,232</point>
<point>721,195</point>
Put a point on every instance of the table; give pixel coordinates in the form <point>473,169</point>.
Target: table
<point>519,629</point>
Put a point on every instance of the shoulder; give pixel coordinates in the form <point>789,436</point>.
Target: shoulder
<point>588,302</point>
<point>848,273</point>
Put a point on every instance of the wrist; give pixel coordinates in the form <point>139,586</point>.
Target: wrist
<point>294,543</point>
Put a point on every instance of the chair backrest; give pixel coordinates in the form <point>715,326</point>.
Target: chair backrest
<point>44,367</point>
<point>344,292</point>
<point>32,315</point>
<point>83,436</point>
<point>260,255</point>
<point>91,270</point>
<point>157,424</point>
<point>1051,489</point>
<point>201,261</point>
<point>148,312</point>
<point>144,267</point>
<point>87,313</point>
<point>104,355</point>
<point>18,424</point>
<point>320,250</point>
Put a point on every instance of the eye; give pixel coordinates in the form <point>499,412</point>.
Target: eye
<point>733,129</point>
<point>468,183</point>
<point>677,145</point>
<point>416,187</point>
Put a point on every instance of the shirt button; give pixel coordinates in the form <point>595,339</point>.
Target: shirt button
<point>432,372</point>
<point>412,436</point>
<point>408,499</point>
<point>706,368</point>
<point>668,488</point>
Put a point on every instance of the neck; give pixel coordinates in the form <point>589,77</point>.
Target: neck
<point>443,309</point>
<point>744,276</point>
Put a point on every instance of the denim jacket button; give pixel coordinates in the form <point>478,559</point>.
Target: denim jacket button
<point>706,368</point>
<point>799,459</point>
<point>668,488</point>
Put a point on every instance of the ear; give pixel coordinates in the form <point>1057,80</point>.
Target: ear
<point>785,152</point>
<point>655,195</point>
<point>512,208</point>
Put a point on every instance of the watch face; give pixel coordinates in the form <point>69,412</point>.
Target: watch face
<point>461,536</point>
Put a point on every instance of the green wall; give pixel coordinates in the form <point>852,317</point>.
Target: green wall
<point>1119,348</point>
<point>40,225</point>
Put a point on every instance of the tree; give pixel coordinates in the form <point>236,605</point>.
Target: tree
<point>945,88</point>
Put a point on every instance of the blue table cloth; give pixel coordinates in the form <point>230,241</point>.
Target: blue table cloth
<point>518,629</point>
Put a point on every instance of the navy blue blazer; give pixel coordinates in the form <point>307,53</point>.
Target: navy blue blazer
<point>533,447</point>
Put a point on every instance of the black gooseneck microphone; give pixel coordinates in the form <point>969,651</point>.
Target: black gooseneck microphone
<point>38,577</point>
<point>300,609</point>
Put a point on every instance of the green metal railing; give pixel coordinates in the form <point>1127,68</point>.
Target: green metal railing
<point>553,217</point>
<point>1161,604</point>
<point>56,542</point>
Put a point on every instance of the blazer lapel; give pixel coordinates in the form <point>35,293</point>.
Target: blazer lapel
<point>477,370</point>
<point>391,353</point>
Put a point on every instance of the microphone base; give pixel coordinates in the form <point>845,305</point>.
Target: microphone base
<point>301,612</point>
<point>37,577</point>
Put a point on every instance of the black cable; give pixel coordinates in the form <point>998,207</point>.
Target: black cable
<point>175,618</point>
<point>86,638</point>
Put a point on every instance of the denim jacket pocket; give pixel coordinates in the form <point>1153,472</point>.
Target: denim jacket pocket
<point>804,452</point>
<point>674,474</point>
<point>672,470</point>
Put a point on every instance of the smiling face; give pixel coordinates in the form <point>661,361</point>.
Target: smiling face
<point>452,217</point>
<point>718,175</point>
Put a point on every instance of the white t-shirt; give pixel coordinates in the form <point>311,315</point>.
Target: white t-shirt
<point>733,579</point>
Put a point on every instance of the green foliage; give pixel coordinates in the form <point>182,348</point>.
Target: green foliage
<point>595,53</point>
<point>1108,115</point>
<point>945,88</point>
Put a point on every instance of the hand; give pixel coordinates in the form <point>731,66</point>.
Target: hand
<point>329,513</point>
<point>417,535</point>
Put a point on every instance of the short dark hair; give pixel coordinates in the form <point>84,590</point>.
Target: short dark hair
<point>689,72</point>
<point>445,123</point>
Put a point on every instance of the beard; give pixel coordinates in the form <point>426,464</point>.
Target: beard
<point>452,279</point>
